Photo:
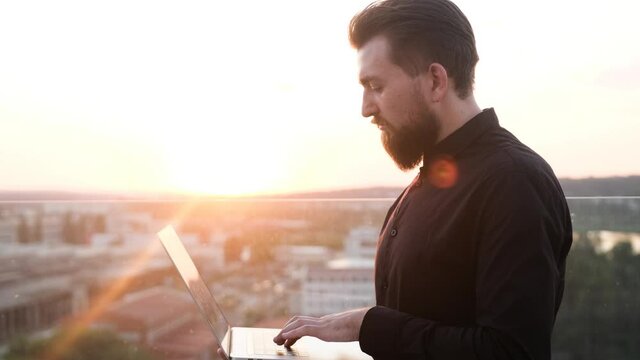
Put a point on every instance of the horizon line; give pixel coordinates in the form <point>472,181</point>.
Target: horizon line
<point>144,196</point>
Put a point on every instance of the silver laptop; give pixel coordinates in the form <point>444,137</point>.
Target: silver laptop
<point>240,343</point>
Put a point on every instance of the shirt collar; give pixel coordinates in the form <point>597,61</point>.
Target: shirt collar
<point>465,135</point>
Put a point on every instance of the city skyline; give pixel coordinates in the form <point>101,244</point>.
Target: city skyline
<point>263,98</point>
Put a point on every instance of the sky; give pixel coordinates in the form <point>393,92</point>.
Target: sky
<point>259,97</point>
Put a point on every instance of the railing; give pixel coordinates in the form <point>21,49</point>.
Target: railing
<point>91,275</point>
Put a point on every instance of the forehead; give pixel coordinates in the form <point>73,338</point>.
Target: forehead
<point>374,58</point>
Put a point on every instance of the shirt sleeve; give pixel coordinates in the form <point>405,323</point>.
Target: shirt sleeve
<point>518,282</point>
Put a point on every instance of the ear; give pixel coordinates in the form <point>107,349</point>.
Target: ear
<point>439,81</point>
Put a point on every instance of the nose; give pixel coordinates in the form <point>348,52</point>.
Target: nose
<point>369,107</point>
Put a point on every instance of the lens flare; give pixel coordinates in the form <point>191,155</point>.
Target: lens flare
<point>443,172</point>
<point>60,348</point>
<point>111,294</point>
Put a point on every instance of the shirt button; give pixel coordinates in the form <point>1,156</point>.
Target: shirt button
<point>394,232</point>
<point>418,182</point>
<point>385,286</point>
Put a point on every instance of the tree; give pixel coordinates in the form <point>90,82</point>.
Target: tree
<point>24,233</point>
<point>100,224</point>
<point>600,313</point>
<point>37,229</point>
<point>233,247</point>
<point>68,232</point>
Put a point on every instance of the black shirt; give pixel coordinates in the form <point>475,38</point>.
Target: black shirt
<point>471,256</point>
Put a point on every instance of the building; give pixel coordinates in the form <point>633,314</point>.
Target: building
<point>300,255</point>
<point>164,320</point>
<point>340,285</point>
<point>361,243</point>
<point>41,286</point>
<point>36,306</point>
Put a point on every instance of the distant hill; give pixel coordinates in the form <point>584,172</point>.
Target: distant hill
<point>607,186</point>
<point>357,193</point>
<point>67,196</point>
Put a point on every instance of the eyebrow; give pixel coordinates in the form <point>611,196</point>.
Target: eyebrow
<point>365,80</point>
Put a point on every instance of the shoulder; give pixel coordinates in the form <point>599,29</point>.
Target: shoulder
<point>508,155</point>
<point>506,160</point>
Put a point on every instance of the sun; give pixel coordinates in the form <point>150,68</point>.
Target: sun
<point>222,165</point>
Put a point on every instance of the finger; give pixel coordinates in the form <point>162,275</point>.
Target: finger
<point>280,338</point>
<point>304,330</point>
<point>291,337</point>
<point>289,342</point>
<point>295,318</point>
<point>298,317</point>
<point>298,323</point>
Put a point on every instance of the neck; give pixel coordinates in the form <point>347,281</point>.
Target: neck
<point>455,113</point>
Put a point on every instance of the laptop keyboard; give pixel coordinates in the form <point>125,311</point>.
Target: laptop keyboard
<point>263,345</point>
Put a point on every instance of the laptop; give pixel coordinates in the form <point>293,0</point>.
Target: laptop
<point>242,343</point>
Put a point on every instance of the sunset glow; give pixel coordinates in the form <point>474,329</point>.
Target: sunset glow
<point>262,97</point>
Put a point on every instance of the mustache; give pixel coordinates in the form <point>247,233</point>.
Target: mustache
<point>378,121</point>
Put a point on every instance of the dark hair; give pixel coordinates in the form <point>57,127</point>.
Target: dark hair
<point>421,32</point>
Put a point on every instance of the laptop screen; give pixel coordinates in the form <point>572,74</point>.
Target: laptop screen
<point>197,287</point>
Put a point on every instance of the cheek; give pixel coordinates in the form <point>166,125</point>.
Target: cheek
<point>397,104</point>
<point>391,105</point>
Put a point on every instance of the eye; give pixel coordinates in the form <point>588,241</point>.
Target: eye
<point>374,86</point>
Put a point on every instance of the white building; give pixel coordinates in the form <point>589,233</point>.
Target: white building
<point>361,243</point>
<point>341,285</point>
<point>299,255</point>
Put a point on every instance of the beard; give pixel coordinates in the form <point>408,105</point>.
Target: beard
<point>407,144</point>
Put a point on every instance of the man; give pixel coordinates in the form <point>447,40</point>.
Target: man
<point>471,256</point>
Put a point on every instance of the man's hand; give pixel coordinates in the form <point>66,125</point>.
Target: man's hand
<point>344,326</point>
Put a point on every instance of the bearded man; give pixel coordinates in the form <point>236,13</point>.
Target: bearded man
<point>471,256</point>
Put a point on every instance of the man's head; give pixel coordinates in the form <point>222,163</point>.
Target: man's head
<point>421,32</point>
<point>414,55</point>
